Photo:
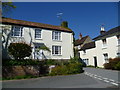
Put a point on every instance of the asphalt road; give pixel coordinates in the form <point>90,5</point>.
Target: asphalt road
<point>70,81</point>
<point>111,74</point>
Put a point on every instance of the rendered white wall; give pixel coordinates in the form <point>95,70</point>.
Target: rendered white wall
<point>66,42</point>
<point>98,51</point>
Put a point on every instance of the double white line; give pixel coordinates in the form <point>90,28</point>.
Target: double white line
<point>103,79</point>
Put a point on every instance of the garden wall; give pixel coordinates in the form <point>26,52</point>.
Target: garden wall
<point>12,71</point>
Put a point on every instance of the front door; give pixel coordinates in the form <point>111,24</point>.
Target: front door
<point>95,61</point>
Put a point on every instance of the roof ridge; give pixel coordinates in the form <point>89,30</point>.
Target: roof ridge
<point>34,24</point>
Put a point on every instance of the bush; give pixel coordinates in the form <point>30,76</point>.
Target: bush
<point>74,59</point>
<point>90,66</point>
<point>117,66</point>
<point>22,62</point>
<point>19,50</point>
<point>67,69</point>
<point>112,63</point>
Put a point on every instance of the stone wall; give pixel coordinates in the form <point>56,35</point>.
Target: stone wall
<point>12,71</point>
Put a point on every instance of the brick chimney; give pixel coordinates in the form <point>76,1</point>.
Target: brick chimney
<point>80,36</point>
<point>102,30</point>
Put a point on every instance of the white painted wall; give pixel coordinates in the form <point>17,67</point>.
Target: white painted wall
<point>66,42</point>
<point>98,51</point>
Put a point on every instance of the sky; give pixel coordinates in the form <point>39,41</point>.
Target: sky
<point>82,17</point>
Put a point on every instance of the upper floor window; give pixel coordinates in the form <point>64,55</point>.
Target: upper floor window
<point>38,33</point>
<point>104,41</point>
<point>17,31</point>
<point>118,37</point>
<point>118,54</point>
<point>56,35</point>
<point>106,57</point>
<point>56,50</point>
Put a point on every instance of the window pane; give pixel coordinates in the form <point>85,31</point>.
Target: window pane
<point>56,50</point>
<point>56,35</point>
<point>37,33</point>
<point>17,31</point>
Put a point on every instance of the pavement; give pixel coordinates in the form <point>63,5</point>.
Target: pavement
<point>84,80</point>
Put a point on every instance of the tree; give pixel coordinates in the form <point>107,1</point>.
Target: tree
<point>7,7</point>
<point>19,50</point>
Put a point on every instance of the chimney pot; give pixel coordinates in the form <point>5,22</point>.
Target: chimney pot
<point>80,36</point>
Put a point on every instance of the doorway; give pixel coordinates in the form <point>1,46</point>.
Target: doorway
<point>95,61</point>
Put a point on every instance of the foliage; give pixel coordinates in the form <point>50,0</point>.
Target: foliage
<point>90,66</point>
<point>117,66</point>
<point>67,69</point>
<point>44,48</point>
<point>19,50</point>
<point>7,7</point>
<point>112,63</point>
<point>74,59</point>
<point>21,62</point>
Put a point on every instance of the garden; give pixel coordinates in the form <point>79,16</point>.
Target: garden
<point>19,67</point>
<point>113,64</point>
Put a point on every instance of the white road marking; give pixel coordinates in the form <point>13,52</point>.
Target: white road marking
<point>103,78</point>
<point>114,83</point>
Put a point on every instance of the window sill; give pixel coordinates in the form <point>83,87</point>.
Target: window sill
<point>104,47</point>
<point>57,40</point>
<point>38,38</point>
<point>56,55</point>
<point>17,36</point>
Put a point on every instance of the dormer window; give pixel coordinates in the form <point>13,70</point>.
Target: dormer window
<point>104,41</point>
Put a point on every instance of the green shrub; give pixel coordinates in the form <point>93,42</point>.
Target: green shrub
<point>90,66</point>
<point>19,50</point>
<point>117,66</point>
<point>112,63</point>
<point>22,62</point>
<point>74,68</point>
<point>74,59</point>
<point>67,69</point>
<point>107,66</point>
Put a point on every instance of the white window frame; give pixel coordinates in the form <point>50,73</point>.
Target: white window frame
<point>14,28</point>
<point>38,34</point>
<point>56,35</point>
<point>54,50</point>
<point>106,57</point>
<point>104,41</point>
<point>118,38</point>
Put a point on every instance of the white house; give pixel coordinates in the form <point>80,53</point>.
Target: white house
<point>57,38</point>
<point>105,46</point>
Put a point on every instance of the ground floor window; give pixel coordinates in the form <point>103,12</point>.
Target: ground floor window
<point>86,61</point>
<point>118,54</point>
<point>106,57</point>
<point>56,50</point>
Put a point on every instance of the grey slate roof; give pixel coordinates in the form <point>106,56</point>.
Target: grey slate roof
<point>111,32</point>
<point>88,46</point>
<point>80,41</point>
